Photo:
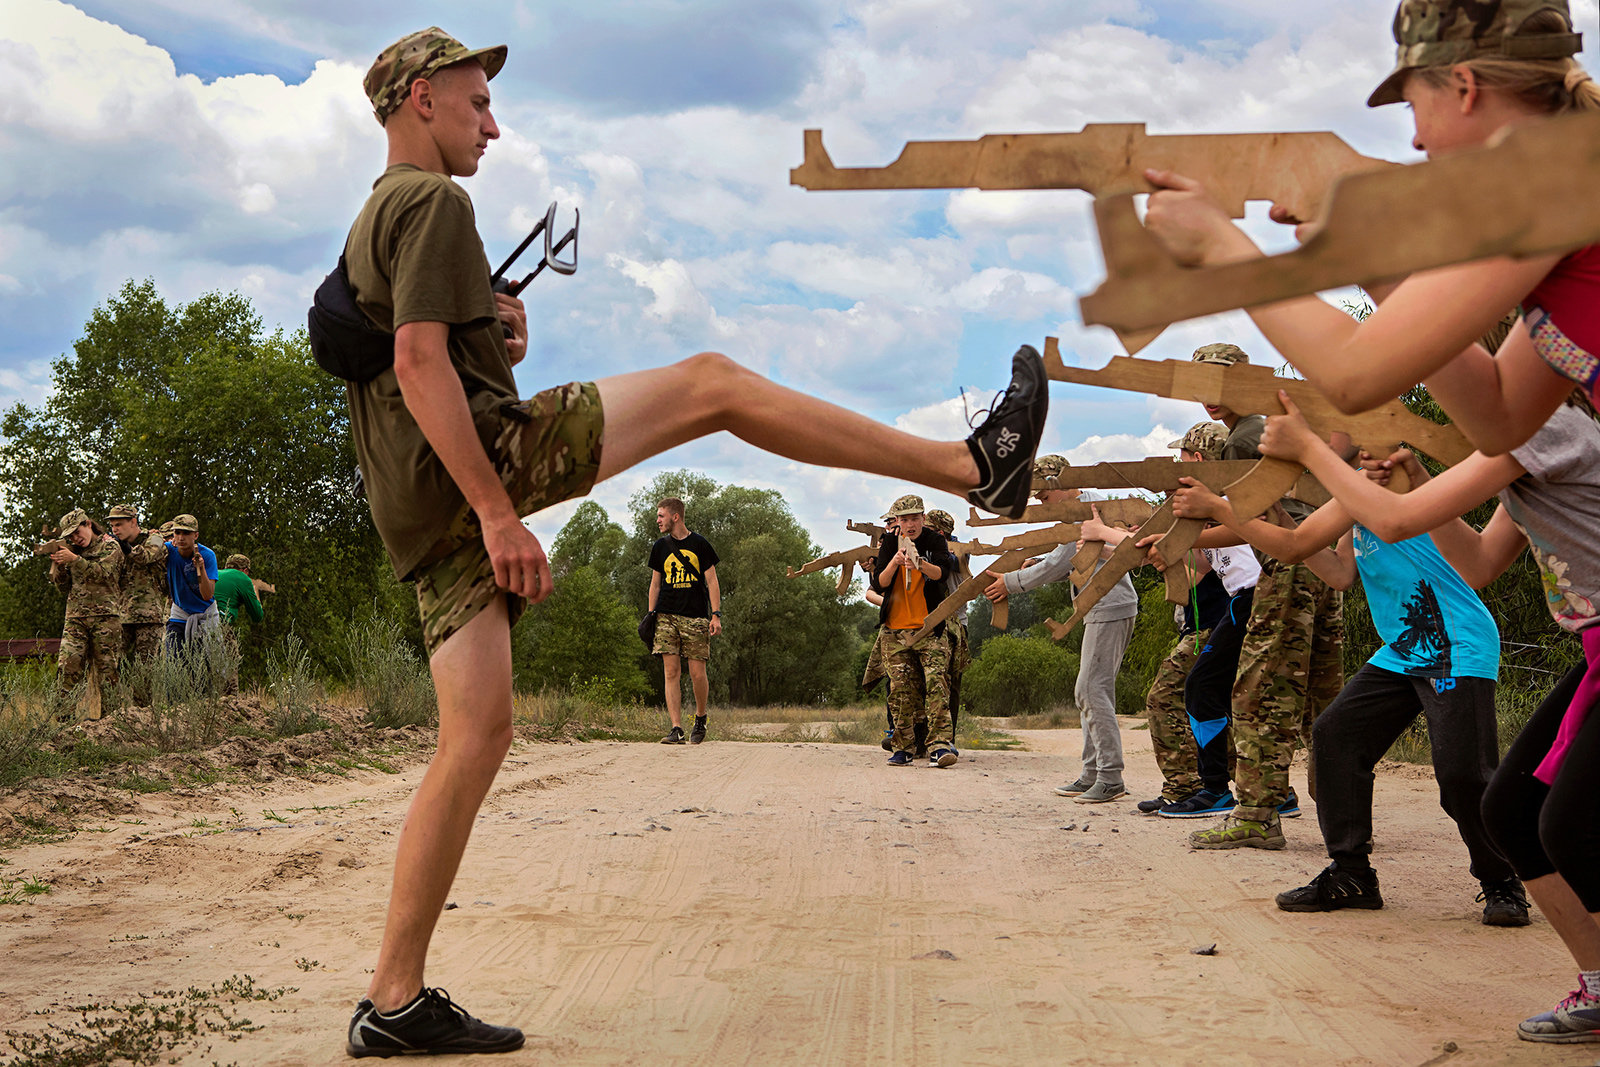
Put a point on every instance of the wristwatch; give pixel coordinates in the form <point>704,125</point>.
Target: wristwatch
<point>718,614</point>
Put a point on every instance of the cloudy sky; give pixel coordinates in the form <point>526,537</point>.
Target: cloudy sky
<point>226,144</point>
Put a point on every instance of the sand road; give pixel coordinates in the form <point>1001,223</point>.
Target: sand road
<point>779,903</point>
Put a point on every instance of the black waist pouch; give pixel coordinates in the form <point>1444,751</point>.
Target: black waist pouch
<point>343,340</point>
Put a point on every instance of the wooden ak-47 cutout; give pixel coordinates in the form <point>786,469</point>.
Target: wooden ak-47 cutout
<point>1292,169</point>
<point>1122,511</point>
<point>850,559</point>
<point>1124,558</point>
<point>1253,390</point>
<point>1533,192</point>
<point>1160,474</point>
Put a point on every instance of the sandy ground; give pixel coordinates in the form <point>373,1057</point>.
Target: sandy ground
<point>798,904</point>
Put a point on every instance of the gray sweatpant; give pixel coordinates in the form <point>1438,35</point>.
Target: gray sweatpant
<point>1096,697</point>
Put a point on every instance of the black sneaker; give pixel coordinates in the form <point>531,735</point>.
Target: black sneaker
<point>698,734</point>
<point>1149,807</point>
<point>1333,889</point>
<point>1504,903</point>
<point>430,1024</point>
<point>674,736</point>
<point>1202,805</point>
<point>1003,445</point>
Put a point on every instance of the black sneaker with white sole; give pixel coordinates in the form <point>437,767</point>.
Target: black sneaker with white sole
<point>431,1024</point>
<point>1003,445</point>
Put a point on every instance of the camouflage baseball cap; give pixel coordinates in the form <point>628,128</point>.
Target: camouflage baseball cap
<point>1206,438</point>
<point>1438,33</point>
<point>418,55</point>
<point>238,562</point>
<point>72,520</point>
<point>1049,467</point>
<point>186,523</point>
<point>942,521</point>
<point>1221,352</point>
<point>166,528</point>
<point>121,511</point>
<point>910,504</point>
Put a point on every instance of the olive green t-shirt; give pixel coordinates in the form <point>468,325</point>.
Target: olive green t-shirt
<point>1244,442</point>
<point>414,255</point>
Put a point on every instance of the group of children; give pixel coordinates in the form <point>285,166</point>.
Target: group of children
<point>1468,71</point>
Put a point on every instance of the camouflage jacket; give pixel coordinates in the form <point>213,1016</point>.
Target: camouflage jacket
<point>144,576</point>
<point>93,581</point>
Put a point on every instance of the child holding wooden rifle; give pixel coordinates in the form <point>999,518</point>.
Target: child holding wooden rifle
<point>1467,72</point>
<point>1542,807</point>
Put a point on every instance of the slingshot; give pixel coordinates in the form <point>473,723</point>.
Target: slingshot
<point>552,248</point>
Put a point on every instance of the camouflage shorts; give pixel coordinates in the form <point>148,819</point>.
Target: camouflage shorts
<point>682,635</point>
<point>551,456</point>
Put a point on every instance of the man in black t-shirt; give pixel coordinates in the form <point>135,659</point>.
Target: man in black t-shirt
<point>688,601</point>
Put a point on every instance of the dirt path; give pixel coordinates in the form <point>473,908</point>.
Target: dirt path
<point>798,904</point>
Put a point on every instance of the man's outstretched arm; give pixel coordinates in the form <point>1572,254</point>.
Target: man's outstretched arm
<point>434,396</point>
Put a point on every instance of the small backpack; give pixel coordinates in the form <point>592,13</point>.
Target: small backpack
<point>343,340</point>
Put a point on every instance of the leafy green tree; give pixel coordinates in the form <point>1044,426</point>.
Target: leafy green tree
<point>195,408</point>
<point>583,631</point>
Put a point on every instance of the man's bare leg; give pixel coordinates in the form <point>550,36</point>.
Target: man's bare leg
<point>702,687</point>
<point>672,668</point>
<point>472,674</point>
<point>650,411</point>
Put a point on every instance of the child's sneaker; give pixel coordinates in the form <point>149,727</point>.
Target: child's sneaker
<point>1240,833</point>
<point>430,1024</point>
<point>1084,783</point>
<point>1335,888</point>
<point>943,757</point>
<point>1100,793</point>
<point>1201,805</point>
<point>1574,1020</point>
<point>900,759</point>
<point>1290,809</point>
<point>1004,444</point>
<point>1505,903</point>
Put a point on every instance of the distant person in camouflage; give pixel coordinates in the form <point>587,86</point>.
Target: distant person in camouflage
<point>955,627</point>
<point>235,589</point>
<point>144,605</point>
<point>909,572</point>
<point>90,572</point>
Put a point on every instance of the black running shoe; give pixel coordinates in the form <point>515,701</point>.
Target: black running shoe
<point>1333,889</point>
<point>1147,807</point>
<point>430,1024</point>
<point>1505,903</point>
<point>1004,444</point>
<point>674,736</point>
<point>698,734</point>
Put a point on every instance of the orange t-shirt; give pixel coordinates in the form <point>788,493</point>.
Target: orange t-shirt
<point>908,607</point>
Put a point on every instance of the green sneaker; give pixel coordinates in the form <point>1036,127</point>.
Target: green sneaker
<point>1240,833</point>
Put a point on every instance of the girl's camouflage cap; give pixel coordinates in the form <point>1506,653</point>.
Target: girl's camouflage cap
<point>1439,33</point>
<point>1206,438</point>
<point>416,56</point>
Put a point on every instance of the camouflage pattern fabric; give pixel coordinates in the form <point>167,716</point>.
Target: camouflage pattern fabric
<point>1327,671</point>
<point>93,581</point>
<point>230,644</point>
<point>417,55</point>
<point>1439,33</point>
<point>1171,740</point>
<point>552,456</point>
<point>918,687</point>
<point>955,633</point>
<point>142,640</point>
<point>910,504</point>
<point>875,662</point>
<point>681,635</point>
<point>1206,438</point>
<point>1049,467</point>
<point>144,573</point>
<point>1272,703</point>
<point>95,639</point>
<point>1221,352</point>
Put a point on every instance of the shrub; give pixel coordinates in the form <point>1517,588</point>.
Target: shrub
<point>393,681</point>
<point>1019,676</point>
<point>295,690</point>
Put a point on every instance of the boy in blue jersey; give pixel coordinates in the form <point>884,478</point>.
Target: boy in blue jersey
<point>192,580</point>
<point>1440,659</point>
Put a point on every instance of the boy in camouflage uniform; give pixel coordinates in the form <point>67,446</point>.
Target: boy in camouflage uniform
<point>144,598</point>
<point>955,627</point>
<point>1290,663</point>
<point>90,572</point>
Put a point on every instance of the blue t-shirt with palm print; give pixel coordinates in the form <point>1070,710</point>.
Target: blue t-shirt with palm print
<point>1433,624</point>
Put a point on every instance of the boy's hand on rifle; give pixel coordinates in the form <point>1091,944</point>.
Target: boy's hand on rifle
<point>1152,556</point>
<point>515,316</point>
<point>996,590</point>
<point>1184,218</point>
<point>1380,470</point>
<point>1195,501</point>
<point>63,556</point>
<point>1288,436</point>
<point>1094,528</point>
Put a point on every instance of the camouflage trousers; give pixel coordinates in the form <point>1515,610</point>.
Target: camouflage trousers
<point>95,640</point>
<point>1290,668</point>
<point>919,686</point>
<point>1172,741</point>
<point>960,660</point>
<point>546,453</point>
<point>230,642</point>
<point>142,640</point>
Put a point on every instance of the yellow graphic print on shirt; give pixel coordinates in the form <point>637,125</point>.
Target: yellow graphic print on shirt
<point>675,574</point>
